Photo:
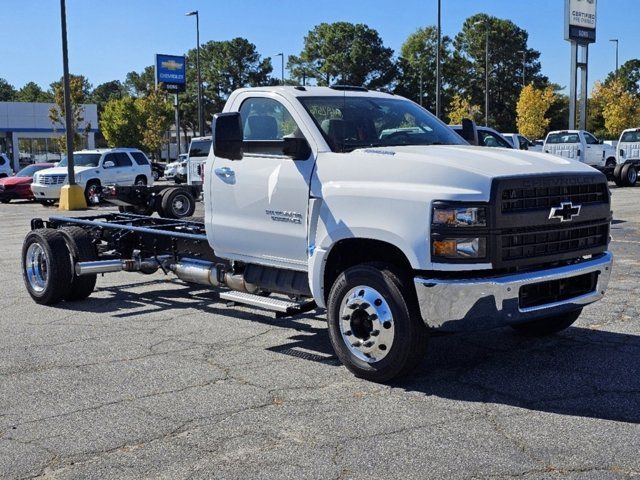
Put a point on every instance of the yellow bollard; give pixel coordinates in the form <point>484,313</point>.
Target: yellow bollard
<point>72,198</point>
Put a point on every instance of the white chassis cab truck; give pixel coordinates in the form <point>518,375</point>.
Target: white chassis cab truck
<point>626,172</point>
<point>364,205</point>
<point>582,146</point>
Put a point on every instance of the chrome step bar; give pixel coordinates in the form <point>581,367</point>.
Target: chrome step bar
<point>281,307</point>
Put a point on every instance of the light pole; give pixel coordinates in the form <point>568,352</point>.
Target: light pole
<point>616,41</point>
<point>200,112</point>
<point>438,62</point>
<point>281,55</point>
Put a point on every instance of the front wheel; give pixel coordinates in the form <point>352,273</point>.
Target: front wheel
<point>375,329</point>
<point>548,325</point>
<point>93,192</point>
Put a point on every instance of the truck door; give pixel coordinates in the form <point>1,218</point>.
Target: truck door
<point>259,203</point>
<point>593,150</point>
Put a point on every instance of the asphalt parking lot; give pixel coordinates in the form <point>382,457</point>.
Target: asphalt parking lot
<point>154,379</point>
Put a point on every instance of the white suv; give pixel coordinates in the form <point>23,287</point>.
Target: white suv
<point>5,166</point>
<point>93,170</point>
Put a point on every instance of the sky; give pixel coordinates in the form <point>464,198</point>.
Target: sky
<point>108,38</point>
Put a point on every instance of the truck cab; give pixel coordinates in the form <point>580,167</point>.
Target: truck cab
<point>196,158</point>
<point>364,205</point>
<point>581,146</point>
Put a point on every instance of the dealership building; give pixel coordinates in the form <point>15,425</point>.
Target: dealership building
<point>27,134</point>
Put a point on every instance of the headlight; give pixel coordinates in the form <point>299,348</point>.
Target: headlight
<point>460,248</point>
<point>448,216</point>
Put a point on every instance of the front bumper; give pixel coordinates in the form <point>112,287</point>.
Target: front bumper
<point>46,192</point>
<point>483,303</point>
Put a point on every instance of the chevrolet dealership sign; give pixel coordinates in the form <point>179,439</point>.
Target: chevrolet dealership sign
<point>171,72</point>
<point>580,21</point>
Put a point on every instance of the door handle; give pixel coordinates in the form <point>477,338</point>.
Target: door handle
<point>224,172</point>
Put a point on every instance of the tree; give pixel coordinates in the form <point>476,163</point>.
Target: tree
<point>121,123</point>
<point>629,75</point>
<point>461,108</point>
<point>347,53</point>
<point>7,91</point>
<point>620,109</point>
<point>139,84</point>
<point>31,92</point>
<point>507,42</point>
<point>156,114</point>
<point>532,108</point>
<point>105,92</point>
<point>417,62</point>
<point>79,90</point>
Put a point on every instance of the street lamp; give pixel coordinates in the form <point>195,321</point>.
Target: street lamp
<point>616,41</point>
<point>486,71</point>
<point>200,112</point>
<point>281,55</point>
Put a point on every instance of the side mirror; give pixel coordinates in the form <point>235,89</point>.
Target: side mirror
<point>227,135</point>
<point>296,147</point>
<point>469,131</point>
<point>108,164</point>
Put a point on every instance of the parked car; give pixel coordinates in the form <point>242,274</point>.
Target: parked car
<point>309,206</point>
<point>5,166</point>
<point>486,137</point>
<point>18,187</point>
<point>94,169</point>
<point>582,146</point>
<point>519,141</point>
<point>628,157</point>
<point>196,158</point>
<point>171,169</point>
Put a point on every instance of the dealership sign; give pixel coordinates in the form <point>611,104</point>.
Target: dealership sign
<point>171,72</point>
<point>580,21</point>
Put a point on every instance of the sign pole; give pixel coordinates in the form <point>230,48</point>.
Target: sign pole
<point>177,105</point>
<point>584,61</point>
<point>573,86</point>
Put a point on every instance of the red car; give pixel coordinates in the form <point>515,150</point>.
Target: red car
<point>19,186</point>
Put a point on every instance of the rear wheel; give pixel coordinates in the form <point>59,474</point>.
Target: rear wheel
<point>81,249</point>
<point>46,203</point>
<point>141,181</point>
<point>629,175</point>
<point>548,325</point>
<point>156,175</point>
<point>177,203</point>
<point>46,266</point>
<point>375,330</point>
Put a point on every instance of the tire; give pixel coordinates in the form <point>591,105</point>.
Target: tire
<point>5,200</point>
<point>389,335</point>
<point>548,325</point>
<point>617,176</point>
<point>156,175</point>
<point>92,191</point>
<point>177,203</point>
<point>46,266</point>
<point>141,181</point>
<point>46,203</point>
<point>629,175</point>
<point>611,162</point>
<point>81,249</point>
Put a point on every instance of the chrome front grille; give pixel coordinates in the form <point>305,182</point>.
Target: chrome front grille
<point>53,179</point>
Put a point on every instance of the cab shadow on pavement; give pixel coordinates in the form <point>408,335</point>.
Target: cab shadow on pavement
<point>578,372</point>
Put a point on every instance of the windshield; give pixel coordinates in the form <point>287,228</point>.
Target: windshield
<point>348,123</point>
<point>31,169</point>
<point>630,137</point>
<point>200,148</point>
<point>82,160</point>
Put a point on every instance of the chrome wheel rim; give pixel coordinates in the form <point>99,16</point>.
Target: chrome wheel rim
<point>366,324</point>
<point>180,205</point>
<point>37,267</point>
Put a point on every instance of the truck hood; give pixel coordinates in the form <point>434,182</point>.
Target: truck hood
<point>483,161</point>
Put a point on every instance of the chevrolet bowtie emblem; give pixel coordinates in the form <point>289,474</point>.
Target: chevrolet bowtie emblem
<point>171,65</point>
<point>565,212</point>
